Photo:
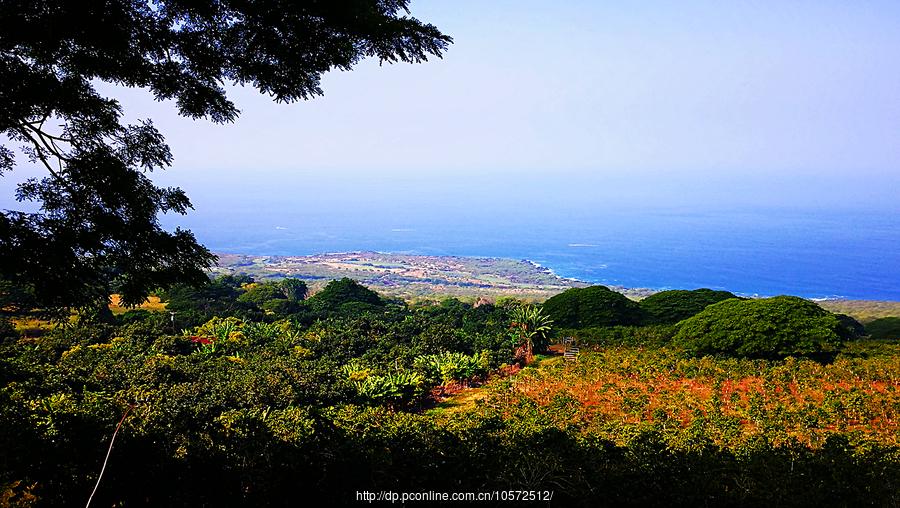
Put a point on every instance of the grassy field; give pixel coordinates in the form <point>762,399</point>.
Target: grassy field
<point>35,326</point>
<point>152,304</point>
<point>32,326</point>
<point>863,310</point>
<point>881,319</point>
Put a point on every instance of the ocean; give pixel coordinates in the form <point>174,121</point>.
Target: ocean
<point>750,247</point>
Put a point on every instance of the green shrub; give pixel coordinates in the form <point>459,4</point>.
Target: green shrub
<point>764,328</point>
<point>670,307</point>
<point>591,306</point>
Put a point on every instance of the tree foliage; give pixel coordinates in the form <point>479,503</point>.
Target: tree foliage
<point>96,226</point>
<point>854,329</point>
<point>193,305</point>
<point>345,295</point>
<point>670,307</point>
<point>286,289</point>
<point>884,328</point>
<point>276,297</point>
<point>591,306</point>
<point>766,328</point>
<point>293,289</point>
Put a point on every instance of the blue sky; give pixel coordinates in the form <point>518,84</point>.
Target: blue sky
<point>746,100</point>
<point>752,145</point>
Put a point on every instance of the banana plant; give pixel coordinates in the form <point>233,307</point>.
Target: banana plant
<point>452,366</point>
<point>392,387</point>
<point>261,333</point>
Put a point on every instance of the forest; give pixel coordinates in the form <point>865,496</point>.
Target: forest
<point>257,394</point>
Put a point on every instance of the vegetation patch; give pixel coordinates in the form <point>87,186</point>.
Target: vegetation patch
<point>253,390</point>
<point>763,328</point>
<point>732,402</point>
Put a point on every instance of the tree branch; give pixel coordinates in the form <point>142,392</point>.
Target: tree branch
<point>39,150</point>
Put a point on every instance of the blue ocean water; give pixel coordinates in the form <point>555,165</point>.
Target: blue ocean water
<point>748,248</point>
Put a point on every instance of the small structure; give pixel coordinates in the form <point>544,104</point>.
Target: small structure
<point>571,352</point>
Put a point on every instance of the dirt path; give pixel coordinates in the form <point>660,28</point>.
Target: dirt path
<point>462,401</point>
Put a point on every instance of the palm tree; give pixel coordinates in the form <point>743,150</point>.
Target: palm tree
<point>529,324</point>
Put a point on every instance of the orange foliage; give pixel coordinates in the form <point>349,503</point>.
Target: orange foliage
<point>818,399</point>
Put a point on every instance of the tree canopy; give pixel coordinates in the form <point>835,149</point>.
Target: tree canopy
<point>763,328</point>
<point>670,307</point>
<point>219,297</point>
<point>344,294</point>
<point>95,228</point>
<point>591,306</point>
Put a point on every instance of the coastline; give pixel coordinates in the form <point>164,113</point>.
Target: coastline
<point>416,276</point>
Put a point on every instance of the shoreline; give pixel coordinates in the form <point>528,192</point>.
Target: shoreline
<point>414,276</point>
<point>443,275</point>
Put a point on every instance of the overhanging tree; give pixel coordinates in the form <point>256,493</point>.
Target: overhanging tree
<point>96,228</point>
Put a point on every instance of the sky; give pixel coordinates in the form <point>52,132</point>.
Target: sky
<point>743,101</point>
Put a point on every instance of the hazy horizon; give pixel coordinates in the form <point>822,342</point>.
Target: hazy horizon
<point>800,102</point>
